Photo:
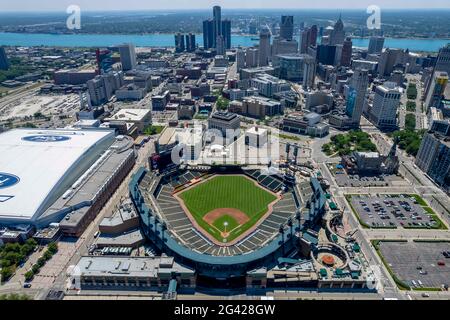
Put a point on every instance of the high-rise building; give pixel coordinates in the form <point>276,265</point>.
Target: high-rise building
<point>220,45</point>
<point>217,23</point>
<point>105,60</point>
<point>357,95</point>
<point>190,42</point>
<point>226,33</point>
<point>127,56</point>
<point>296,67</point>
<point>376,45</point>
<point>264,47</point>
<point>337,35</point>
<point>437,89</point>
<point>4,63</point>
<point>304,40</point>
<point>326,54</point>
<point>102,88</point>
<point>434,158</point>
<point>443,60</point>
<point>313,35</point>
<point>208,34</point>
<point>389,58</point>
<point>240,59</point>
<point>287,27</point>
<point>282,46</point>
<point>346,54</point>
<point>383,112</point>
<point>179,43</point>
<point>251,57</point>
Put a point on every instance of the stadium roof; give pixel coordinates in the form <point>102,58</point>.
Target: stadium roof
<point>37,166</point>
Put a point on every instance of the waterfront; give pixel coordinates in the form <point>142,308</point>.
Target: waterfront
<point>167,40</point>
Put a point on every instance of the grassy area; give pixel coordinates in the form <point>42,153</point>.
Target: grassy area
<point>222,103</point>
<point>410,122</point>
<point>14,297</point>
<point>226,223</point>
<point>234,192</point>
<point>152,130</point>
<point>344,144</point>
<point>411,92</point>
<point>411,106</point>
<point>409,140</point>
<point>288,137</point>
<point>48,254</point>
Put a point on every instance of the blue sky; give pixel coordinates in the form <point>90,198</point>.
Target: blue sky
<point>89,5</point>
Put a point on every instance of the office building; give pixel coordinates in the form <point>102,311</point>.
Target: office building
<point>251,57</point>
<point>337,35</point>
<point>346,53</point>
<point>226,33</point>
<point>240,59</point>
<point>208,34</point>
<point>383,112</point>
<point>434,158</point>
<point>217,24</point>
<point>142,118</point>
<point>102,88</point>
<point>180,45</point>
<point>4,62</point>
<point>326,54</point>
<point>227,123</point>
<point>388,60</point>
<point>260,107</point>
<point>190,42</point>
<point>443,60</point>
<point>308,124</point>
<point>74,77</point>
<point>376,45</point>
<point>282,46</point>
<point>268,85</point>
<point>437,89</point>
<point>357,95</point>
<point>287,27</point>
<point>159,102</point>
<point>127,56</point>
<point>264,47</point>
<point>296,67</point>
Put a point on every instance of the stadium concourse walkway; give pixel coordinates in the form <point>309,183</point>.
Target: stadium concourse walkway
<point>182,229</point>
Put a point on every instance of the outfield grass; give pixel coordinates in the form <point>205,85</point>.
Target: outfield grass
<point>236,192</point>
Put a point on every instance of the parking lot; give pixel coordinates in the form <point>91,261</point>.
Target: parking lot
<point>391,211</point>
<point>418,264</point>
<point>343,179</point>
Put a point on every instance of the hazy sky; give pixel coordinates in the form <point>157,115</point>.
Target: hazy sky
<point>61,5</point>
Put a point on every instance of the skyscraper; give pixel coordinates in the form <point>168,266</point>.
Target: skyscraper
<point>4,63</point>
<point>179,43</point>
<point>217,23</point>
<point>226,33</point>
<point>127,56</point>
<point>376,45</point>
<point>208,34</point>
<point>358,90</point>
<point>443,60</point>
<point>383,112</point>
<point>313,35</point>
<point>337,35</point>
<point>437,89</point>
<point>190,42</point>
<point>305,40</point>
<point>346,55</point>
<point>287,27</point>
<point>264,47</point>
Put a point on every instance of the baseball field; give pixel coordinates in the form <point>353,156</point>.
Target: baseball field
<point>227,206</point>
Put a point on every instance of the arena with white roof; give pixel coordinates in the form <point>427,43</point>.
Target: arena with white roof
<point>38,166</point>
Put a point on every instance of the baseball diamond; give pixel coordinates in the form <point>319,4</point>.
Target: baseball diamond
<point>227,206</point>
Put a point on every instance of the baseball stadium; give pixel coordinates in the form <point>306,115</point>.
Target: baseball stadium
<point>222,221</point>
